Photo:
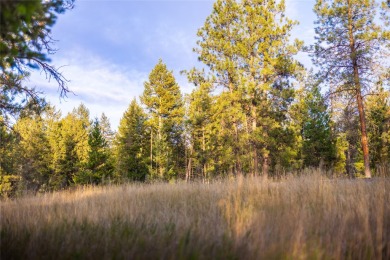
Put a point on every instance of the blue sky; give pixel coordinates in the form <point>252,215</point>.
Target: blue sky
<point>108,48</point>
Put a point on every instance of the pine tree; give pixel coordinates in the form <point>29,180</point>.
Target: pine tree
<point>7,145</point>
<point>98,167</point>
<point>26,42</point>
<point>8,152</point>
<point>164,103</point>
<point>198,126</point>
<point>318,145</point>
<point>348,50</point>
<point>105,128</point>
<point>218,50</point>
<point>69,143</point>
<point>131,145</point>
<point>34,155</point>
<point>246,46</point>
<point>378,125</point>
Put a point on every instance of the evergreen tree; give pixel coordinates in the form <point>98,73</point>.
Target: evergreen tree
<point>378,125</point>
<point>217,48</point>
<point>105,128</point>
<point>8,156</point>
<point>98,168</point>
<point>25,32</point>
<point>7,145</point>
<point>348,50</point>
<point>246,46</point>
<point>69,140</point>
<point>164,103</point>
<point>131,145</point>
<point>34,155</point>
<point>318,146</point>
<point>198,126</point>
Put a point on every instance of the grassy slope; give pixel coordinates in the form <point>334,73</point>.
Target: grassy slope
<point>305,217</point>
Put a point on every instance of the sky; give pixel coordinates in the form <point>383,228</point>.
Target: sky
<point>107,48</point>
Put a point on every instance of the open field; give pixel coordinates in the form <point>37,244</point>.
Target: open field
<point>245,218</point>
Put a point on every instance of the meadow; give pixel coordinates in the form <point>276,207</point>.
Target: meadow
<point>296,217</point>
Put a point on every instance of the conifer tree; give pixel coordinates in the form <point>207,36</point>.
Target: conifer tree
<point>131,145</point>
<point>217,49</point>
<point>34,155</point>
<point>69,140</point>
<point>378,125</point>
<point>26,42</point>
<point>348,49</point>
<point>246,46</point>
<point>164,103</point>
<point>7,146</point>
<point>199,123</point>
<point>98,167</point>
<point>105,128</point>
<point>318,145</point>
<point>8,151</point>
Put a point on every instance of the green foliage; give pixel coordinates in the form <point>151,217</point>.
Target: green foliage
<point>69,143</point>
<point>378,124</point>
<point>34,155</point>
<point>246,46</point>
<point>7,149</point>
<point>352,51</point>
<point>199,127</point>
<point>99,165</point>
<point>105,128</point>
<point>164,104</point>
<point>346,24</point>
<point>8,185</point>
<point>25,28</point>
<point>131,145</point>
<point>252,110</point>
<point>318,145</point>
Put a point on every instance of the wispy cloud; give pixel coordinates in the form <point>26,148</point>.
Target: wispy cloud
<point>101,86</point>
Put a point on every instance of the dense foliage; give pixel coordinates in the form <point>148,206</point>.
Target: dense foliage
<point>254,109</point>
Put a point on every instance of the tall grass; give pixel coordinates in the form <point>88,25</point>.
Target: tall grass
<point>245,218</point>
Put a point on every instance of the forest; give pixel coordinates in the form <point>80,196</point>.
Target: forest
<point>265,158</point>
<point>254,110</point>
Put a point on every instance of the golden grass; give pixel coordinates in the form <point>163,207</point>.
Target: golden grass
<point>309,217</point>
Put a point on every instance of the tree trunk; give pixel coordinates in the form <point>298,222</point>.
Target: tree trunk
<point>254,127</point>
<point>265,165</point>
<point>359,98</point>
<point>362,119</point>
<point>204,168</point>
<point>151,149</point>
<point>159,167</point>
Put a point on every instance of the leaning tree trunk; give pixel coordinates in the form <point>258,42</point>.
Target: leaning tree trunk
<point>362,119</point>
<point>359,98</point>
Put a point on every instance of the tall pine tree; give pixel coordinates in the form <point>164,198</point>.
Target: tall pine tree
<point>131,145</point>
<point>164,104</point>
<point>348,47</point>
<point>246,46</point>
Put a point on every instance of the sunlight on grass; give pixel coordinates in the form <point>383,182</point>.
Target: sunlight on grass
<point>244,218</point>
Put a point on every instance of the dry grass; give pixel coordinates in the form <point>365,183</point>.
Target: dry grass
<point>297,218</point>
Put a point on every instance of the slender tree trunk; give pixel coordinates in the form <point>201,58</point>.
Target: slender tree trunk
<point>151,149</point>
<point>188,164</point>
<point>359,98</point>
<point>362,118</point>
<point>265,166</point>
<point>160,152</point>
<point>255,156</point>
<point>204,168</point>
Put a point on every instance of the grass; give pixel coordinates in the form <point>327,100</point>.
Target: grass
<point>310,217</point>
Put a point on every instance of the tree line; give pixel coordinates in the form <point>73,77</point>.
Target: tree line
<point>255,110</point>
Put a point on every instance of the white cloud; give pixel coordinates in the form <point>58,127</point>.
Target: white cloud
<point>101,86</point>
